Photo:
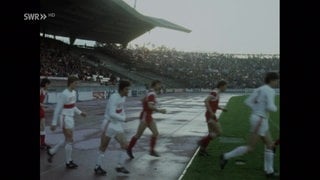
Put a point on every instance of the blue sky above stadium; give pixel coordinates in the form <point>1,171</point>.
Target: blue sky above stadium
<point>223,26</point>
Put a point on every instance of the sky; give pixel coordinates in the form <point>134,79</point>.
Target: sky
<point>223,26</point>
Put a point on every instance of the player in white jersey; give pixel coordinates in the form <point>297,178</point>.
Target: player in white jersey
<point>44,85</point>
<point>112,128</point>
<point>65,110</point>
<point>261,101</point>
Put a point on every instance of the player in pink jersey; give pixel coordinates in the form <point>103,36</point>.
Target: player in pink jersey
<point>149,103</point>
<point>214,127</point>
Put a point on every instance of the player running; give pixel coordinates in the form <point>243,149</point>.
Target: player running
<point>214,127</point>
<point>261,102</point>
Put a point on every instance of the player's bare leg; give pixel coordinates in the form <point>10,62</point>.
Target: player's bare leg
<point>104,142</point>
<point>121,157</point>
<point>42,134</point>
<point>253,140</point>
<point>43,144</point>
<point>68,133</point>
<point>142,126</point>
<point>153,127</point>
<point>241,150</point>
<point>254,137</point>
<point>268,155</point>
<point>214,129</point>
<point>275,144</point>
<point>203,143</point>
<point>52,151</point>
<point>68,141</point>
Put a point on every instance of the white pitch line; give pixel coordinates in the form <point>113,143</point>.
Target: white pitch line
<point>186,168</point>
<point>194,155</point>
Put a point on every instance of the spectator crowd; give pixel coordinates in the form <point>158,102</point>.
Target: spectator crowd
<point>195,69</point>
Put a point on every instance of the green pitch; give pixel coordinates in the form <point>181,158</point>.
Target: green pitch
<point>235,130</point>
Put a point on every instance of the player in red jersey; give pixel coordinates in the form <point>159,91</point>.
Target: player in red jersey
<point>149,103</point>
<point>212,105</point>
<point>44,85</point>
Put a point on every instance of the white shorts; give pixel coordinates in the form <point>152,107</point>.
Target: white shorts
<point>66,122</point>
<point>111,129</point>
<point>259,125</point>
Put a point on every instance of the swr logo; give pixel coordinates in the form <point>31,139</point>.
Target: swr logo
<point>34,16</point>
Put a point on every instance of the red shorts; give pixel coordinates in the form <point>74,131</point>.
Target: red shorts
<point>208,117</point>
<point>145,116</point>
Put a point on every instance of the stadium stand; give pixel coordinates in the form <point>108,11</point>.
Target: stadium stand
<point>112,24</point>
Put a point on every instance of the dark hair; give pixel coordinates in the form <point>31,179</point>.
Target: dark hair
<point>155,82</point>
<point>123,84</point>
<point>221,83</point>
<point>270,76</point>
<point>72,79</point>
<point>44,81</point>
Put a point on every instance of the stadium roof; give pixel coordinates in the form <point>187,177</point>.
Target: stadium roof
<point>111,21</point>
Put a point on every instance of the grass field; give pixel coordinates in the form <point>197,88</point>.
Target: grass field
<point>235,126</point>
